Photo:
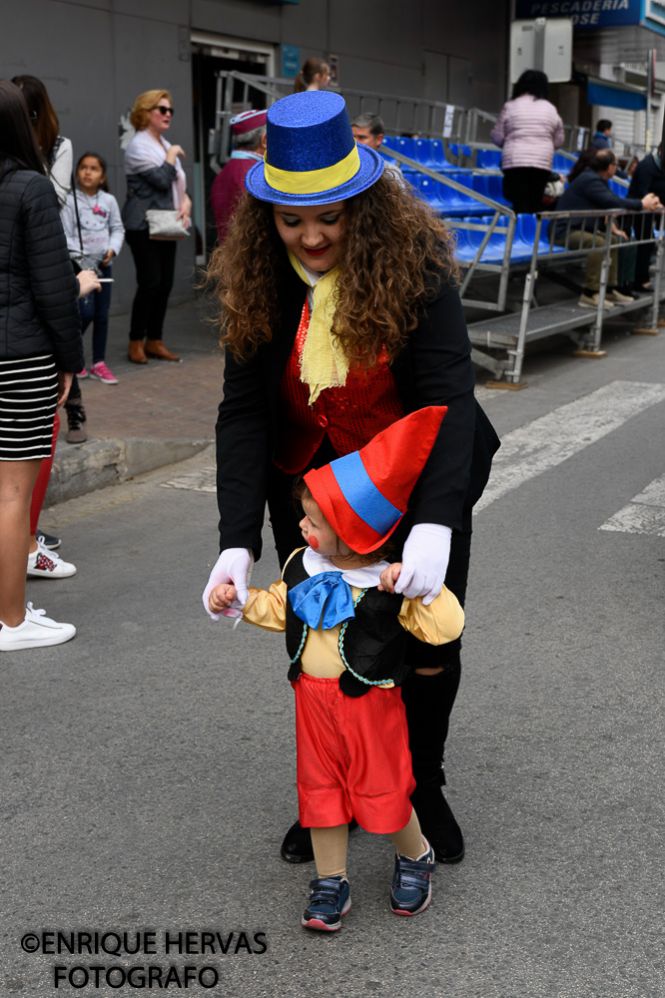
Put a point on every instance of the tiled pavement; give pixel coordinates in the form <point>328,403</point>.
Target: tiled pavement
<point>159,399</point>
<point>156,414</point>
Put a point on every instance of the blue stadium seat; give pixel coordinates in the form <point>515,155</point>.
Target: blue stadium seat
<point>447,200</point>
<point>479,183</point>
<point>561,164</point>
<point>495,189</point>
<point>439,157</point>
<point>423,152</point>
<point>469,240</point>
<point>488,159</point>
<point>431,191</point>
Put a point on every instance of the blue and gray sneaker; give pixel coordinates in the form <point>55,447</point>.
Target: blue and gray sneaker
<point>411,890</point>
<point>329,899</point>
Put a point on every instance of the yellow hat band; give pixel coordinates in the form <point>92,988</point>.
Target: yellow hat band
<point>313,181</point>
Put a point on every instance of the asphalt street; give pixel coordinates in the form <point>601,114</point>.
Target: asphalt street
<point>148,766</point>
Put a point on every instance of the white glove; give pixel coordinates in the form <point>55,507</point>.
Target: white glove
<point>233,565</point>
<point>424,561</point>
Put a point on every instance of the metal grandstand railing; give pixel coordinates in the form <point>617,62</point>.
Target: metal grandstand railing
<point>496,210</point>
<point>401,115</point>
<point>552,246</point>
<point>410,115</point>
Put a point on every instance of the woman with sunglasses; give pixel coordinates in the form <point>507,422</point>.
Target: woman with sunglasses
<point>155,179</point>
<point>340,314</point>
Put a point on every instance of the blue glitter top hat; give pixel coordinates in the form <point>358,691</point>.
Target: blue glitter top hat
<point>311,155</point>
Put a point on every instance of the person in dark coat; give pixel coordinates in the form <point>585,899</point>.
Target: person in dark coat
<point>40,349</point>
<point>340,314</point>
<point>590,191</point>
<point>248,131</point>
<point>648,178</point>
<point>602,137</point>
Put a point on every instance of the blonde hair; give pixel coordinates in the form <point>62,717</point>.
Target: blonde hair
<point>144,104</point>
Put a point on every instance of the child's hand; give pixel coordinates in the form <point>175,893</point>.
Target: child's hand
<point>221,597</point>
<point>389,577</point>
<point>108,256</point>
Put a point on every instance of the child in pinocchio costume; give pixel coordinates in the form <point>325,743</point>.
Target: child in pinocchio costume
<point>346,632</point>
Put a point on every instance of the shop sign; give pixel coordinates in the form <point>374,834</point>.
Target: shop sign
<point>585,13</point>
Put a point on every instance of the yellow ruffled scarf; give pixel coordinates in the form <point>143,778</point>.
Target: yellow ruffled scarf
<point>323,363</point>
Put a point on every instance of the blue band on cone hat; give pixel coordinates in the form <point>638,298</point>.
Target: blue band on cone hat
<point>365,494</point>
<point>311,156</point>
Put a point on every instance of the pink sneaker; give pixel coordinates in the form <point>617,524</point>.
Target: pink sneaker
<point>103,373</point>
<point>83,373</point>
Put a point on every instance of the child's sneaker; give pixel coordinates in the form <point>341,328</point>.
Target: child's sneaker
<point>82,374</point>
<point>411,890</point>
<point>45,564</point>
<point>101,372</point>
<point>36,631</point>
<point>329,899</point>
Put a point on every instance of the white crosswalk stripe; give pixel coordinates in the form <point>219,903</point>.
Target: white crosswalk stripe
<point>644,514</point>
<point>201,480</point>
<point>548,441</point>
<point>544,443</point>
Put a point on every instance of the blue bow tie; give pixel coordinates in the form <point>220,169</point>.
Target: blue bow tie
<point>322,601</point>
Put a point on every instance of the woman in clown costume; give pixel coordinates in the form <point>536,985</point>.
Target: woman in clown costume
<point>346,634</point>
<point>340,314</point>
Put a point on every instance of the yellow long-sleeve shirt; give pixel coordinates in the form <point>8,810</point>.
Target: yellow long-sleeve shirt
<point>436,624</point>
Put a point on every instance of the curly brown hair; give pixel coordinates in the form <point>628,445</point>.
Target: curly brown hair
<point>395,254</point>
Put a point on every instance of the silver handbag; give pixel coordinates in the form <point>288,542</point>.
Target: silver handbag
<point>165,224</point>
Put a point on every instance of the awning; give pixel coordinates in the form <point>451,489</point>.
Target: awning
<point>607,94</point>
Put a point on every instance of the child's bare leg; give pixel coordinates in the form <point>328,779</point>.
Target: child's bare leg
<point>330,847</point>
<point>409,840</point>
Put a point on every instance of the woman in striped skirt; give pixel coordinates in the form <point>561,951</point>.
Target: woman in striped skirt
<point>40,348</point>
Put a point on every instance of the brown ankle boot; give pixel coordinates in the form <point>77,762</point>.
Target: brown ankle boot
<point>136,353</point>
<point>156,348</point>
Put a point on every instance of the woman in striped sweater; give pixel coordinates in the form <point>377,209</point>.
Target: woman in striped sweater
<point>40,348</point>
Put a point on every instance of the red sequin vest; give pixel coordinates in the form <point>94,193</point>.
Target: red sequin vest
<point>349,416</point>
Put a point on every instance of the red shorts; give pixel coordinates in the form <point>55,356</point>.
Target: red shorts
<point>353,757</point>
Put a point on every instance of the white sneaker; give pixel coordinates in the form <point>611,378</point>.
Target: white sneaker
<point>45,564</point>
<point>36,631</point>
<point>592,301</point>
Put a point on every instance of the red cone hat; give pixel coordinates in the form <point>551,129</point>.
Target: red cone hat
<point>364,495</point>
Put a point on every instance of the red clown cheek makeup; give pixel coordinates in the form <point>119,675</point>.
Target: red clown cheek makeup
<point>313,543</point>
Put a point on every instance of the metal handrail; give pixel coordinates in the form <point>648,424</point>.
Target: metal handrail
<point>591,341</point>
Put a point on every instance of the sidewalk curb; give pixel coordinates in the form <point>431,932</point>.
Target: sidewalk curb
<point>79,469</point>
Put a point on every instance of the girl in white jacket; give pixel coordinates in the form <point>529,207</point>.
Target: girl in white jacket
<point>95,234</point>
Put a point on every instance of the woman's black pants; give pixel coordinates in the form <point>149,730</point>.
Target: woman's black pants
<point>154,260</point>
<point>524,187</point>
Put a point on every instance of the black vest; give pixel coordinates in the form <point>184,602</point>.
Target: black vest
<point>372,643</point>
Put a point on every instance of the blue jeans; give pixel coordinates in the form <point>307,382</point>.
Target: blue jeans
<point>95,308</point>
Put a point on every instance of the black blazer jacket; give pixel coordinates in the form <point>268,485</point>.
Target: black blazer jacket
<point>434,368</point>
